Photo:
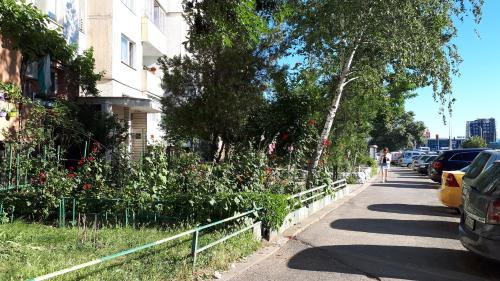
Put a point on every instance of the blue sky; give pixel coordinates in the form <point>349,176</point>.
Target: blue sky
<point>477,90</point>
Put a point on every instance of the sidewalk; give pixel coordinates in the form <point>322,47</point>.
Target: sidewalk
<point>394,230</point>
<point>270,248</point>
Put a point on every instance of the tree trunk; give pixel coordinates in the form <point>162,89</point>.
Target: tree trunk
<point>346,67</point>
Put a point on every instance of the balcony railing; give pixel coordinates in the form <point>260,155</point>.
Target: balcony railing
<point>151,84</point>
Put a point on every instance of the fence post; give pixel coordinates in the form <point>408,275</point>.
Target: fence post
<point>10,166</point>
<point>12,214</point>
<point>73,213</point>
<point>62,213</point>
<point>194,247</point>
<point>126,216</point>
<point>133,218</point>
<point>17,171</point>
<point>85,151</point>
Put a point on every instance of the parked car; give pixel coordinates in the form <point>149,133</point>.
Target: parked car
<point>407,159</point>
<point>479,229</point>
<point>424,167</point>
<point>420,160</point>
<point>480,163</point>
<point>452,160</point>
<point>396,155</point>
<point>450,193</point>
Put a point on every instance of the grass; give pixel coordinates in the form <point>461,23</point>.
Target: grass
<point>31,250</point>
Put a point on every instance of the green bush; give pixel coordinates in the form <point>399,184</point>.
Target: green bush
<point>181,187</point>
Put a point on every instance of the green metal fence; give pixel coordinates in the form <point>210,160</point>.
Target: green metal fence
<point>307,196</point>
<point>112,212</point>
<point>195,247</point>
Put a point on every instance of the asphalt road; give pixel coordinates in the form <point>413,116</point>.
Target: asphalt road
<point>391,231</point>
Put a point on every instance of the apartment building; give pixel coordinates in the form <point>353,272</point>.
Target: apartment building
<point>484,128</point>
<point>128,36</point>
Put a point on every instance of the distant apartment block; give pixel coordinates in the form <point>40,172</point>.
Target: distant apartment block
<point>484,128</point>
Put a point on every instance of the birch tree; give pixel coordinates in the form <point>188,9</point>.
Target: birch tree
<point>352,39</point>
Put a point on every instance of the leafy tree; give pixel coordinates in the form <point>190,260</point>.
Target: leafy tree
<point>353,41</point>
<point>220,85</point>
<point>474,142</point>
<point>24,28</point>
<point>393,127</point>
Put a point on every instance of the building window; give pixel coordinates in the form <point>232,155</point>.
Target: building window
<point>129,4</point>
<point>156,14</point>
<point>128,48</point>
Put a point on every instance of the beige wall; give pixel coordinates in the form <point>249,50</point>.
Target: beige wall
<point>10,62</point>
<point>99,30</point>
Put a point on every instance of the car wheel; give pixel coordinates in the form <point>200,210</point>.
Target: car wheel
<point>408,166</point>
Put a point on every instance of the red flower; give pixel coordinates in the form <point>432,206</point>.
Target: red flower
<point>284,136</point>
<point>81,162</point>
<point>90,158</point>
<point>87,186</point>
<point>326,142</point>
<point>311,122</point>
<point>71,168</point>
<point>71,175</point>
<point>95,148</point>
<point>269,170</point>
<point>42,177</point>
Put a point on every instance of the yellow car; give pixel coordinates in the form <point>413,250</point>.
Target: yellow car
<point>450,192</point>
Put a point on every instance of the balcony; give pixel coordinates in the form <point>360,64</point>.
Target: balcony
<point>151,84</point>
<point>154,41</point>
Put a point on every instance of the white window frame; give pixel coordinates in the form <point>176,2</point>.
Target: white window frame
<point>130,51</point>
<point>129,4</point>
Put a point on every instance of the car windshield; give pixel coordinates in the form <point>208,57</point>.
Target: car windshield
<point>430,159</point>
<point>424,158</point>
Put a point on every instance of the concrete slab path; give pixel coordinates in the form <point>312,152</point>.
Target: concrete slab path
<point>391,231</point>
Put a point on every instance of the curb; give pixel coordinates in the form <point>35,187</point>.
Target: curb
<point>271,248</point>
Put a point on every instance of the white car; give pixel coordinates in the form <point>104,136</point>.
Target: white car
<point>407,159</point>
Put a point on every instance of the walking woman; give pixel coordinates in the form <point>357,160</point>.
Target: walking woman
<point>385,163</point>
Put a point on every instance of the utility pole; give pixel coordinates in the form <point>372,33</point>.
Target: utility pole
<point>450,144</point>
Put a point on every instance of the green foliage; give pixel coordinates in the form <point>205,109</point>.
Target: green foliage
<point>104,128</point>
<point>221,85</point>
<point>26,29</point>
<point>355,42</point>
<point>474,142</point>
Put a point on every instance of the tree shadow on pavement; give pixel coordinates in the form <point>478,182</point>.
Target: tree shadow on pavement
<point>399,262</point>
<point>407,209</point>
<point>403,184</point>
<point>413,177</point>
<point>422,228</point>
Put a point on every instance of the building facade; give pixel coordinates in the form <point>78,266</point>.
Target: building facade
<point>444,143</point>
<point>63,15</point>
<point>128,37</point>
<point>484,128</point>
